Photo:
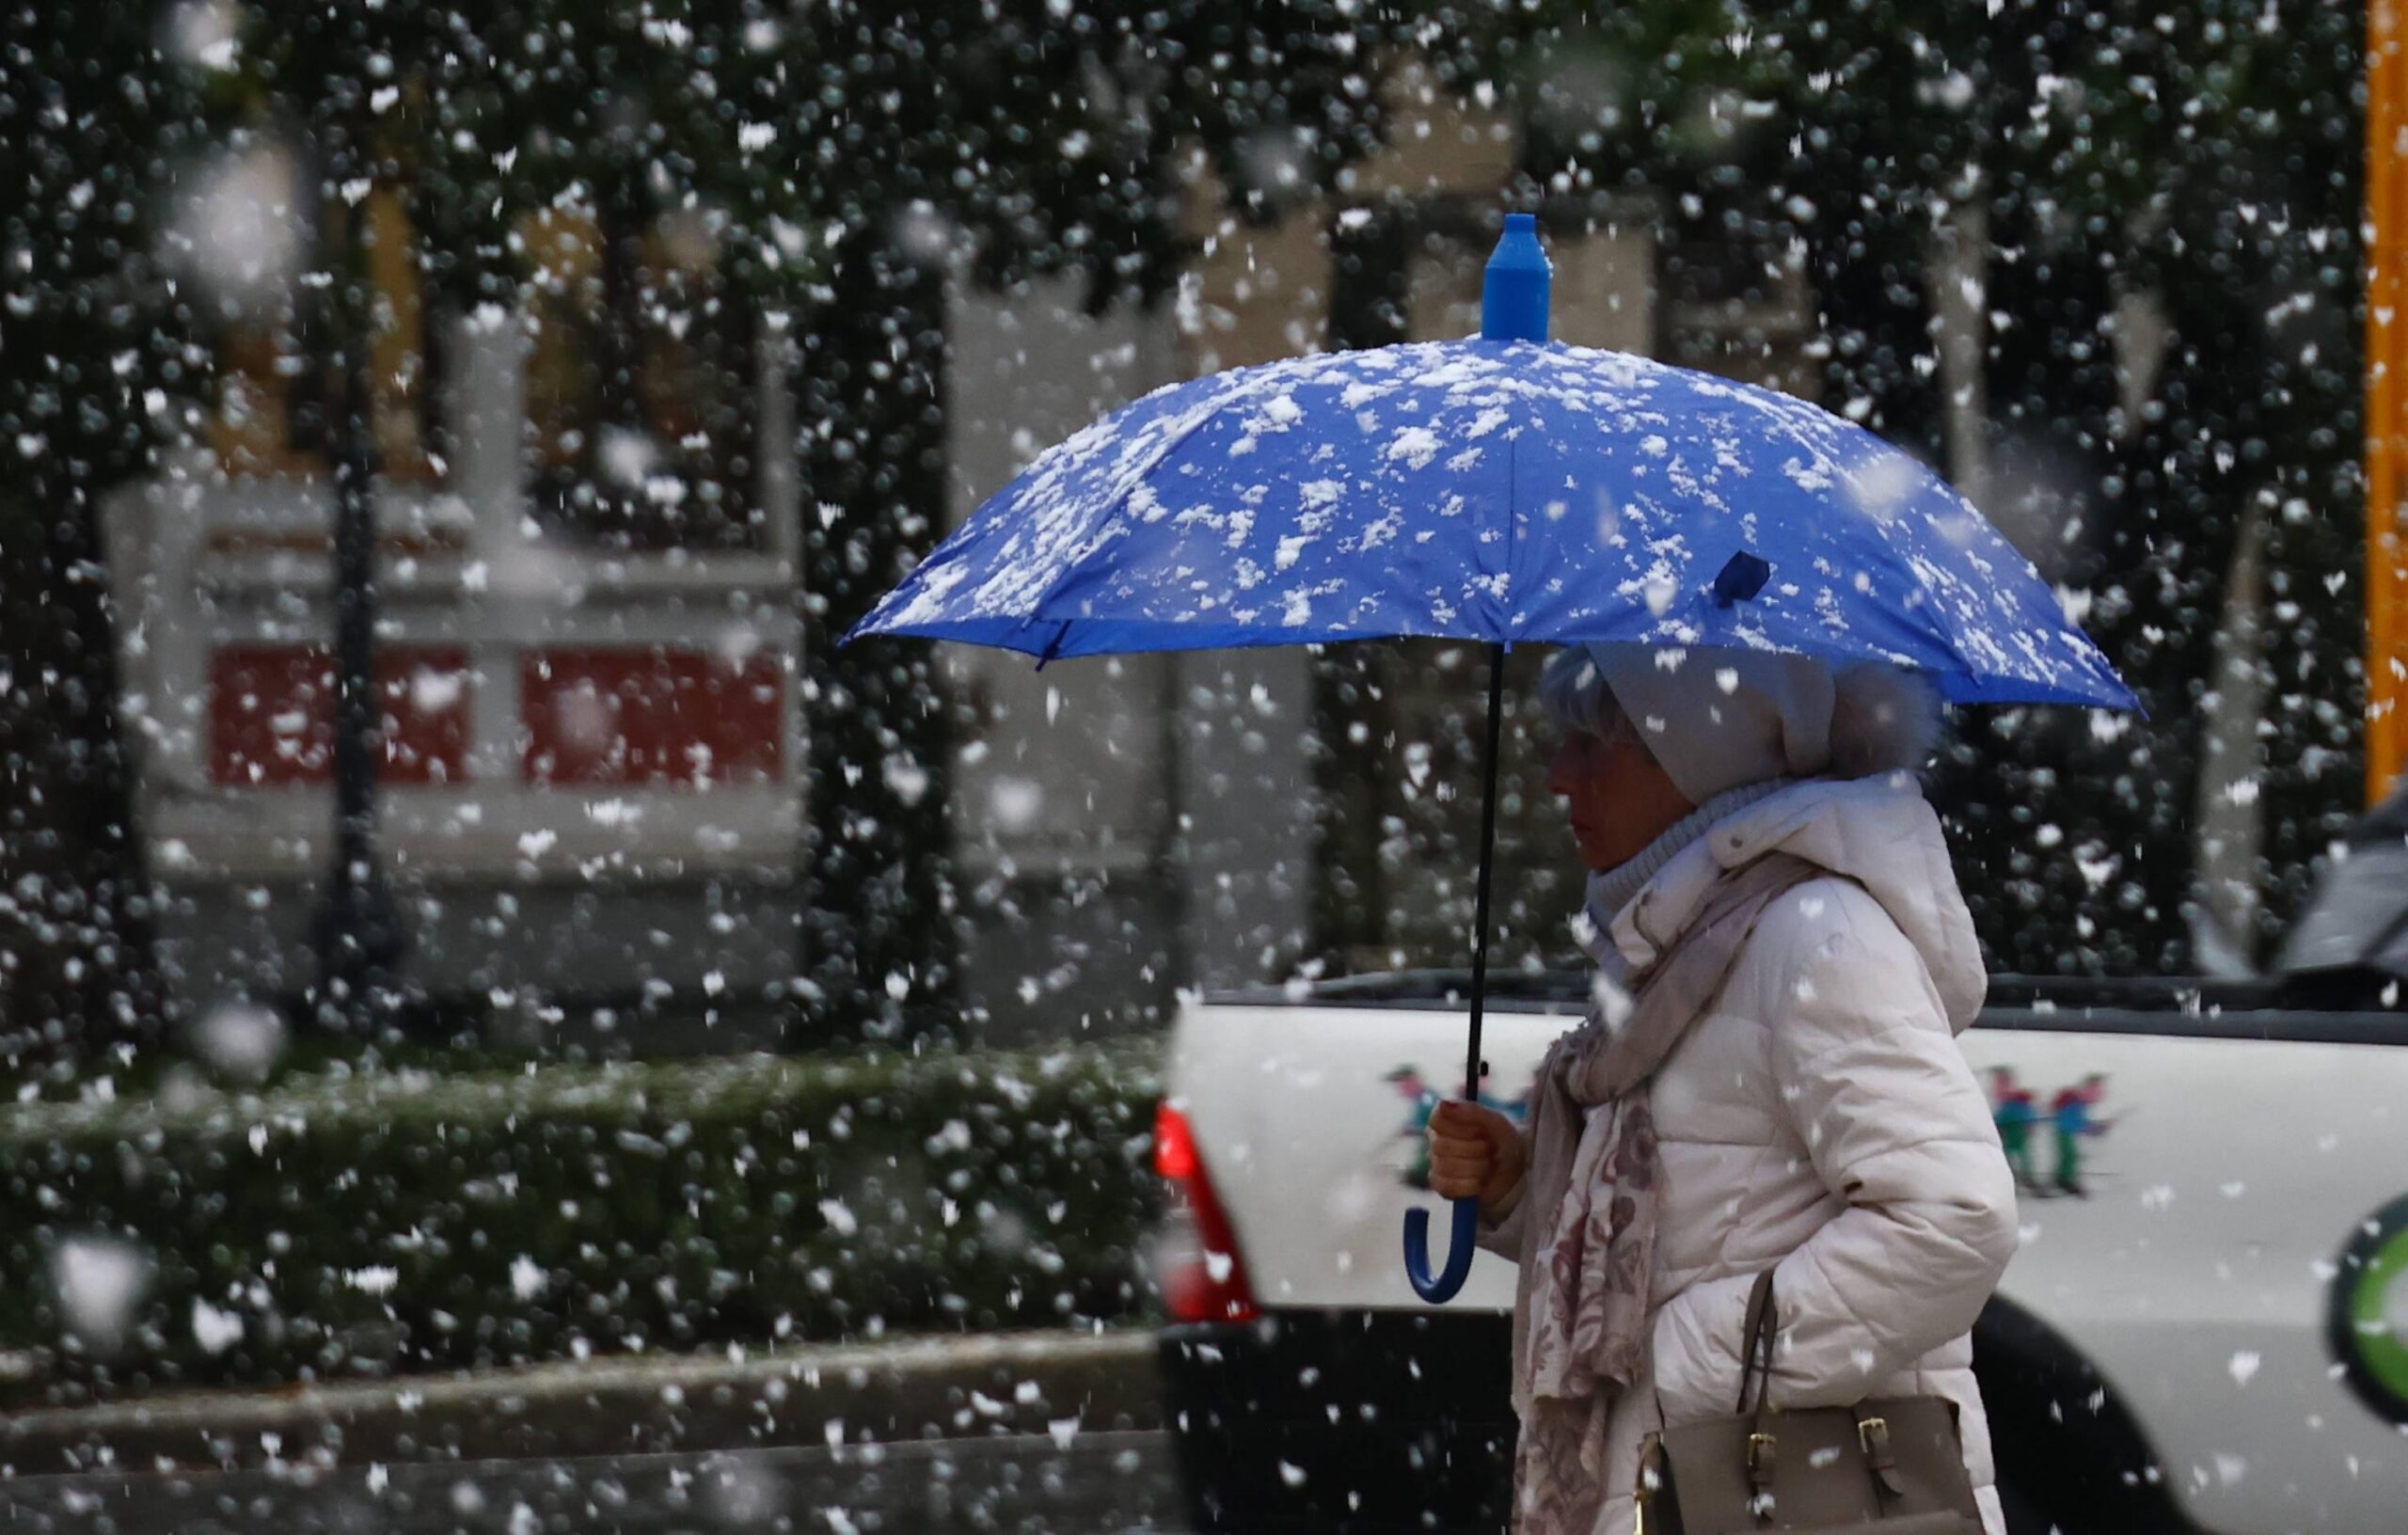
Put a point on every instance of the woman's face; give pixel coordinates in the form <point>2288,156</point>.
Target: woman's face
<point>1619,801</point>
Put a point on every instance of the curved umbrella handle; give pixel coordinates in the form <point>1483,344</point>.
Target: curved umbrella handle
<point>1440,1290</point>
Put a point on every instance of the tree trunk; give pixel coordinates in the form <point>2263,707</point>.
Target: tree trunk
<point>882,923</point>
<point>77,973</point>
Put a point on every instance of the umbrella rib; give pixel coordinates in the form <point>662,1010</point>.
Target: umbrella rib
<point>1114,512</point>
<point>1513,534</point>
<point>1054,647</point>
<point>1937,632</point>
<point>1943,635</point>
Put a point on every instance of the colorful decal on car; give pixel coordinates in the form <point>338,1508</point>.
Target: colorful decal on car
<point>2070,1119</point>
<point>2369,1326</point>
<point>1423,1098</point>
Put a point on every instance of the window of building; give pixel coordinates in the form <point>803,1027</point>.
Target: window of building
<point>1734,298</point>
<point>643,381</point>
<point>275,382</point>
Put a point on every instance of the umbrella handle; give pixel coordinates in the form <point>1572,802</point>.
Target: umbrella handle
<point>1440,1290</point>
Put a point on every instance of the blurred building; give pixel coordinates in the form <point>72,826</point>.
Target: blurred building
<point>593,790</point>
<point>588,622</point>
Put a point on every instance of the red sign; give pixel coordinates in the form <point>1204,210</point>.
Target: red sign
<point>651,717</point>
<point>271,714</point>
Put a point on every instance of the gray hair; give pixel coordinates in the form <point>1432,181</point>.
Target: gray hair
<point>1573,690</point>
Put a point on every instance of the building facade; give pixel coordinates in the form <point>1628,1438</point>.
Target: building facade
<point>593,798</point>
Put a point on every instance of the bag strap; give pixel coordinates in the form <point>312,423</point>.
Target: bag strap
<point>1755,1370</point>
<point>1756,1344</point>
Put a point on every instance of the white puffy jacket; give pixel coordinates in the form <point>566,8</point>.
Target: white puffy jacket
<point>1820,1120</point>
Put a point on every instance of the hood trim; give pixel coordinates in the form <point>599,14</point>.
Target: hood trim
<point>1878,832</point>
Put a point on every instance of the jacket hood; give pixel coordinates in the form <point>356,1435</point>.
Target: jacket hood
<point>1879,832</point>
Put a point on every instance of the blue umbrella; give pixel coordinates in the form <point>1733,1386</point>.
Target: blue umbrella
<point>1506,489</point>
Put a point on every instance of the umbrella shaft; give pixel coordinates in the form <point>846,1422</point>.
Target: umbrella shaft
<point>1487,868</point>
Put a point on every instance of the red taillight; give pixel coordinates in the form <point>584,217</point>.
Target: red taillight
<point>1174,1144</point>
<point>1203,1277</point>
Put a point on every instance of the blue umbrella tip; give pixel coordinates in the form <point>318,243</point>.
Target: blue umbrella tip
<point>1514,290</point>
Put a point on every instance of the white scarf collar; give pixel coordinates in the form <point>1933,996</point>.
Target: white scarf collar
<point>1610,890</point>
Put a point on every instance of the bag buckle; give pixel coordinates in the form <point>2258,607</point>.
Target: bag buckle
<point>1761,1450</point>
<point>1873,1437</point>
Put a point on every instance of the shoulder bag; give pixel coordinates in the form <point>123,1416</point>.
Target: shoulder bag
<point>1886,1467</point>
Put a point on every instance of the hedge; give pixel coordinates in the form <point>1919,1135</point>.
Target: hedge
<point>407,1221</point>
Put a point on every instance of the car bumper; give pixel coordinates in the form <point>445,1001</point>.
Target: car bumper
<point>1356,1421</point>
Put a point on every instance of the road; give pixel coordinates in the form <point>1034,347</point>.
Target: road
<point>1102,1483</point>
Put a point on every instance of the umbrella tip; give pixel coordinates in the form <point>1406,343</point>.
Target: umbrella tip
<point>1513,296</point>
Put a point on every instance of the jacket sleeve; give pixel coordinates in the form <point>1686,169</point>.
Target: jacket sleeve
<point>1501,1229</point>
<point>1872,1079</point>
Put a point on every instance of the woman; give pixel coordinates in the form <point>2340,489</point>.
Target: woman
<point>1772,1079</point>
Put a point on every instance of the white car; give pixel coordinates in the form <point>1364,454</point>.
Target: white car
<point>2206,1328</point>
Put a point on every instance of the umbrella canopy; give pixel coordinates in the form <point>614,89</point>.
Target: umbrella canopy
<point>1503,489</point>
<point>1506,491</point>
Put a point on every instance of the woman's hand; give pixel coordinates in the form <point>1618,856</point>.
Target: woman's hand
<point>1475,1153</point>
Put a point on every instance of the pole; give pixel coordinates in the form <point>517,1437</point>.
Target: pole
<point>2386,431</point>
<point>1488,868</point>
<point>359,929</point>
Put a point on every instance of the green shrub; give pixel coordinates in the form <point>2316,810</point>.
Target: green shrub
<point>409,1222</point>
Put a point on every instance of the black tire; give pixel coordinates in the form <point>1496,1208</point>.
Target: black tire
<point>2025,1514</point>
<point>2071,1458</point>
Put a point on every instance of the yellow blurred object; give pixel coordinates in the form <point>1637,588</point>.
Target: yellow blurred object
<point>251,428</point>
<point>562,247</point>
<point>397,351</point>
<point>2386,562</point>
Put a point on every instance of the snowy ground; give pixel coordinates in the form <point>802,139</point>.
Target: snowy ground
<point>908,1436</point>
<point>1104,1483</point>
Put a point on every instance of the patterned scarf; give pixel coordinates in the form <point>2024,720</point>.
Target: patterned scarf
<point>1580,1314</point>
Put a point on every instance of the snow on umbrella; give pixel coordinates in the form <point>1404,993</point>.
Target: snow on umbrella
<point>1505,489</point>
